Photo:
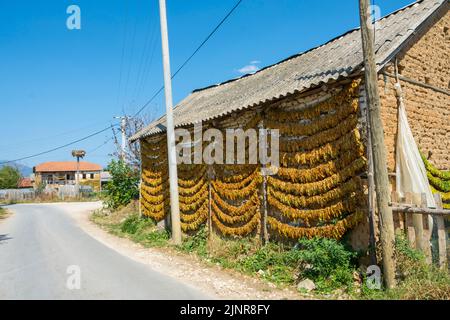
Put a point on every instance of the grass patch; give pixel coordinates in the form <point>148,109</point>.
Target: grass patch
<point>330,264</point>
<point>324,261</point>
<point>416,280</point>
<point>126,223</point>
<point>3,213</point>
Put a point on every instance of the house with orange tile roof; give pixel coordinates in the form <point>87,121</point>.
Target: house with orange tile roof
<point>57,173</point>
<point>25,183</point>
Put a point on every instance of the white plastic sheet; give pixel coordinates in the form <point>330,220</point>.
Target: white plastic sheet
<point>411,175</point>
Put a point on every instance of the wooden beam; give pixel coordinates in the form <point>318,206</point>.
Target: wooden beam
<point>417,83</point>
<point>423,211</point>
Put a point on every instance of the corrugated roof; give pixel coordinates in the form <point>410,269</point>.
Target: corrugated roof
<point>66,166</point>
<point>336,59</point>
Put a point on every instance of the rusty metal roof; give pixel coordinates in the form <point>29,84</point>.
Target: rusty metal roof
<point>334,60</point>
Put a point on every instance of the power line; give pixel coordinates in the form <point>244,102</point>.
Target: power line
<point>20,144</point>
<point>147,103</point>
<point>148,65</point>
<point>149,35</point>
<point>98,147</point>
<point>192,55</point>
<point>60,147</point>
<point>123,54</point>
<point>130,65</point>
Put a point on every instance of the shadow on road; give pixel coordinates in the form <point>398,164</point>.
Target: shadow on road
<point>4,237</point>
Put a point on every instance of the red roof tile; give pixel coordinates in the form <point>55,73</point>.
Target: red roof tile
<point>25,183</point>
<point>66,166</point>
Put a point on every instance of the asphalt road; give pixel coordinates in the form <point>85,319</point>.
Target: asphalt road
<point>45,255</point>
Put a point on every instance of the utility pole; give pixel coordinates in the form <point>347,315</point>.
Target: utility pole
<point>78,154</point>
<point>378,147</point>
<point>171,154</point>
<point>123,125</point>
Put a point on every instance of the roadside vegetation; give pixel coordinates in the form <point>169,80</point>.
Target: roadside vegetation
<point>282,265</point>
<point>329,264</point>
<point>416,279</point>
<point>9,177</point>
<point>123,186</point>
<point>329,268</point>
<point>3,213</point>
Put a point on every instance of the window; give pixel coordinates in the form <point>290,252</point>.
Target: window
<point>84,175</point>
<point>92,176</point>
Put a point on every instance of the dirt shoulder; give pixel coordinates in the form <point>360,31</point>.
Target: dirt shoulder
<point>212,279</point>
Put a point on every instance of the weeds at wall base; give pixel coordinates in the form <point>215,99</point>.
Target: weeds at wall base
<point>328,263</point>
<point>274,263</point>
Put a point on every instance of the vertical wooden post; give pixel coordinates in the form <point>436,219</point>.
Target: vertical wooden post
<point>263,197</point>
<point>418,223</point>
<point>442,238</point>
<point>409,225</point>
<point>378,146</point>
<point>371,194</point>
<point>210,174</point>
<point>263,192</point>
<point>427,230</point>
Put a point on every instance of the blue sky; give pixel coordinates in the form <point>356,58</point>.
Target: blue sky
<point>58,85</point>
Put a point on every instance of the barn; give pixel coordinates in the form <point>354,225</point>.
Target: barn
<point>316,101</point>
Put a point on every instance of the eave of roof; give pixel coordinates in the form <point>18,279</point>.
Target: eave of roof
<point>301,72</point>
<point>66,166</point>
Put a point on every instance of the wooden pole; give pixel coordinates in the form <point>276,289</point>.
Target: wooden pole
<point>263,198</point>
<point>442,241</point>
<point>418,223</point>
<point>381,178</point>
<point>210,175</point>
<point>371,193</point>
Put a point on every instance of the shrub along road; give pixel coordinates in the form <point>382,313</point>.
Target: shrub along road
<point>42,249</point>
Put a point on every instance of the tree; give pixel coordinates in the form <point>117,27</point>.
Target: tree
<point>9,177</point>
<point>123,186</point>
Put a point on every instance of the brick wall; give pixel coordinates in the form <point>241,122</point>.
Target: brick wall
<point>426,60</point>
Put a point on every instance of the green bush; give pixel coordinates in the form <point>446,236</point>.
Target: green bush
<point>157,238</point>
<point>278,264</point>
<point>144,231</point>
<point>327,262</point>
<point>416,280</point>
<point>9,177</point>
<point>133,224</point>
<point>196,243</point>
<point>124,185</point>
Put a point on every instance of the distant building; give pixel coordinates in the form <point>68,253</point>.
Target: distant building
<point>25,183</point>
<point>54,174</point>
